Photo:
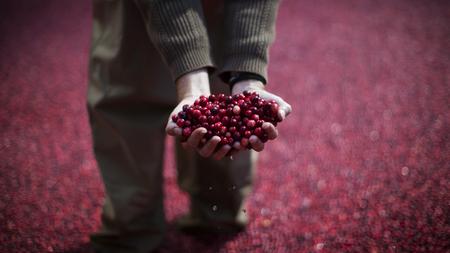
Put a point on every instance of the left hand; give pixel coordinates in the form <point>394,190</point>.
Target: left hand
<point>284,110</point>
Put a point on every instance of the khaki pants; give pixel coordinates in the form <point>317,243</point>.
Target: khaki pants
<point>130,97</point>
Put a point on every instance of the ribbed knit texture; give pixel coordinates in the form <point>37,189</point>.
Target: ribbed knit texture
<point>249,30</point>
<point>178,30</point>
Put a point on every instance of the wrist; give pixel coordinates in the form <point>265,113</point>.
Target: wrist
<point>193,84</point>
<point>247,85</point>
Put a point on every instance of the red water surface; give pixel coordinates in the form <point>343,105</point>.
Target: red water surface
<point>362,164</point>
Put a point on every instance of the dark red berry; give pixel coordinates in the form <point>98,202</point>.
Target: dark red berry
<point>196,113</point>
<point>251,123</point>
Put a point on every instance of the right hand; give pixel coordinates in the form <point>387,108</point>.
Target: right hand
<point>189,87</point>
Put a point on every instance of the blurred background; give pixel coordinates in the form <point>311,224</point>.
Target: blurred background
<point>362,164</point>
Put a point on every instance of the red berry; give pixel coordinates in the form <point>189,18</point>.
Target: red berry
<point>180,122</point>
<point>203,118</point>
<point>258,131</point>
<point>196,113</point>
<point>182,115</point>
<point>247,133</point>
<point>274,109</point>
<point>248,113</point>
<point>186,123</point>
<point>236,110</point>
<point>222,112</point>
<point>251,123</point>
<point>212,97</point>
<point>187,132</point>
<point>244,142</point>
<point>225,120</point>
<point>174,118</point>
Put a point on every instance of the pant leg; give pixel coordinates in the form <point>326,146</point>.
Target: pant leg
<point>130,96</point>
<point>217,189</point>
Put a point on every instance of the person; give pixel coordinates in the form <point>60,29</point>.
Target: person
<point>147,59</point>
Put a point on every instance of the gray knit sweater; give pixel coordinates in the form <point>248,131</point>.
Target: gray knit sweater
<point>178,30</point>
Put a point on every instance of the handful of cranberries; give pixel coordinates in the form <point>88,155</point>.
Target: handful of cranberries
<point>232,118</point>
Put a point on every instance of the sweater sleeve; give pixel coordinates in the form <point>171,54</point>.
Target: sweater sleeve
<point>177,29</point>
<point>249,31</point>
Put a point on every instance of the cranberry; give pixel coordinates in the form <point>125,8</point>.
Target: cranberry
<point>214,110</point>
<point>217,125</point>
<point>247,133</point>
<point>182,115</point>
<point>236,109</point>
<point>251,123</point>
<point>223,130</point>
<point>274,108</point>
<point>244,142</point>
<point>203,118</point>
<point>255,117</point>
<point>174,118</point>
<point>225,120</point>
<point>258,131</point>
<point>187,131</point>
<point>196,113</point>
<point>212,97</point>
<point>180,122</point>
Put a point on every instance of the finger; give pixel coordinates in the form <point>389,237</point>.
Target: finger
<point>257,144</point>
<point>196,137</point>
<point>284,110</point>
<point>222,152</point>
<point>271,130</point>
<point>173,130</point>
<point>209,147</point>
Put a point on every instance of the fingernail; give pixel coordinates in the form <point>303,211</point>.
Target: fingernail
<point>282,114</point>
